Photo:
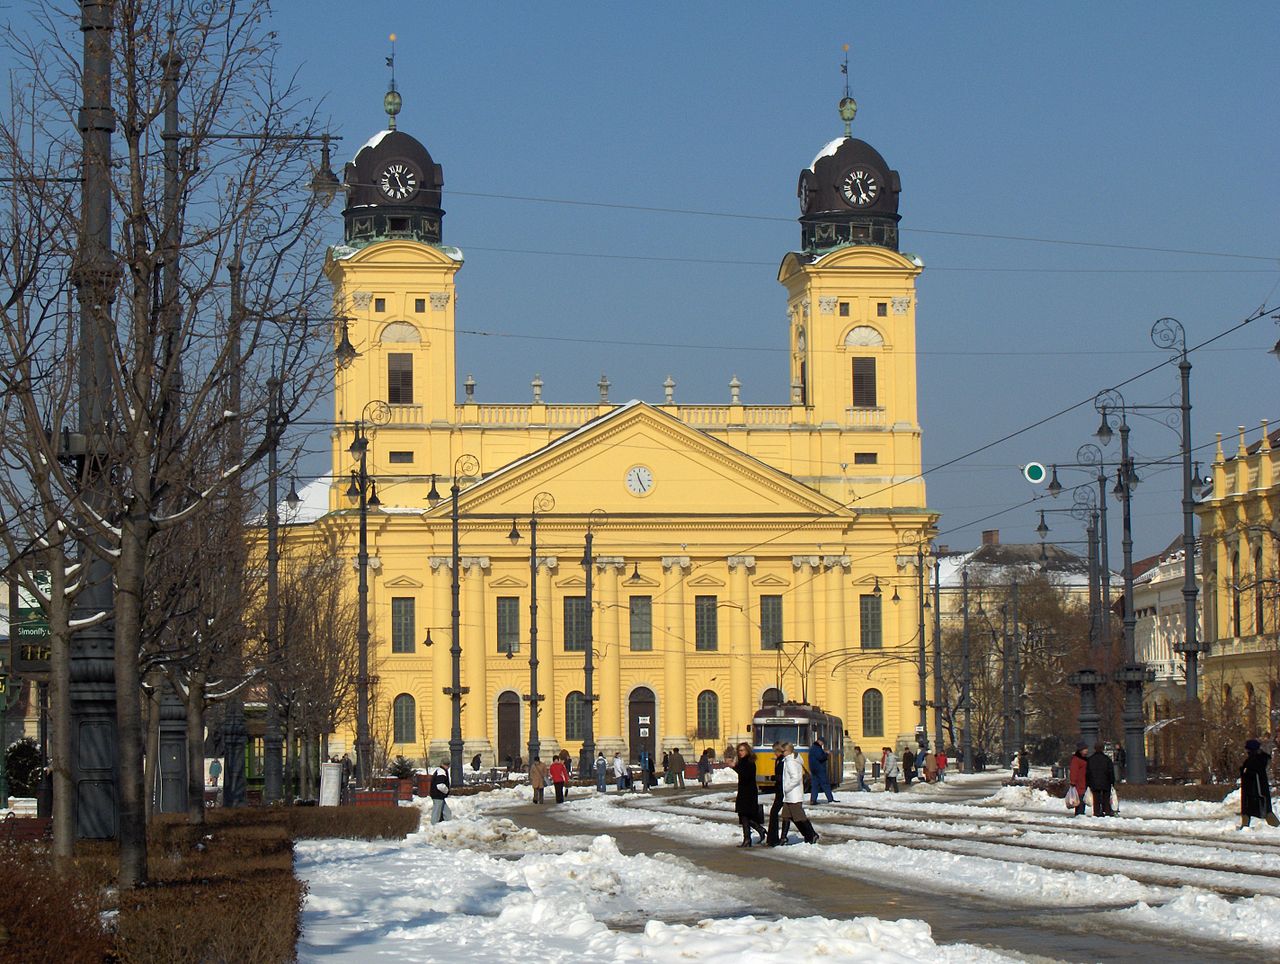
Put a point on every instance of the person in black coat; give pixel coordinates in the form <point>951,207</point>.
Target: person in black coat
<point>747,806</point>
<point>1100,775</point>
<point>1255,787</point>
<point>777,838</point>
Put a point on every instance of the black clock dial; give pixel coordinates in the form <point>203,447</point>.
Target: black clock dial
<point>805,195</point>
<point>860,187</point>
<point>398,181</point>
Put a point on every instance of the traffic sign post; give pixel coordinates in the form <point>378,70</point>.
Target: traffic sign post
<point>1034,472</point>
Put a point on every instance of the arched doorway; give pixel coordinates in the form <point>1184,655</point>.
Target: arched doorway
<point>508,727</point>
<point>772,697</point>
<point>642,711</point>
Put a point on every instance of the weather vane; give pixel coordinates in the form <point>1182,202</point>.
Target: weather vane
<point>848,106</point>
<point>392,102</point>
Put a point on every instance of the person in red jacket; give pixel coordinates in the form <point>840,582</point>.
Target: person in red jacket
<point>1076,775</point>
<point>941,760</point>
<point>559,778</point>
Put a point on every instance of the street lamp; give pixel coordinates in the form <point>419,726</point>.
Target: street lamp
<point>1133,675</point>
<point>966,685</point>
<point>463,466</point>
<point>922,603</point>
<point>542,502</point>
<point>597,517</point>
<point>364,490</point>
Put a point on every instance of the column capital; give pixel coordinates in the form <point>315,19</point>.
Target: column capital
<point>548,562</point>
<point>440,562</point>
<point>473,562</point>
<point>605,563</point>
<point>746,562</point>
<point>676,562</point>
<point>833,562</point>
<point>799,562</point>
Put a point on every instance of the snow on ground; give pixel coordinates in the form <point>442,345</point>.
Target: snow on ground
<point>479,886</point>
<point>1251,921</point>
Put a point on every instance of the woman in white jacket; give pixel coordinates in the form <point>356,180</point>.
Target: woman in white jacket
<point>793,794</point>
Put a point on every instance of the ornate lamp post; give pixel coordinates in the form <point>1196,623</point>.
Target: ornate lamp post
<point>464,466</point>
<point>597,517</point>
<point>364,491</point>
<point>542,502</point>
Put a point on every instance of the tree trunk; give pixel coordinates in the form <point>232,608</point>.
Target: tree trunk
<point>195,748</point>
<point>291,759</point>
<point>305,753</point>
<point>129,587</point>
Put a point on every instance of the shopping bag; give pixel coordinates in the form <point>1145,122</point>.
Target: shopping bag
<point>1073,798</point>
<point>1115,801</point>
<point>1088,796</point>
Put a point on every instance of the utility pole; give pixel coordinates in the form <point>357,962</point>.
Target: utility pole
<point>922,729</point>
<point>273,739</point>
<point>937,651</point>
<point>966,742</point>
<point>94,761</point>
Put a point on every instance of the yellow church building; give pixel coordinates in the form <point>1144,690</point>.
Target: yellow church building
<point>740,552</point>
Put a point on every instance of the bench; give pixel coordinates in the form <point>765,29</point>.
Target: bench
<point>15,829</point>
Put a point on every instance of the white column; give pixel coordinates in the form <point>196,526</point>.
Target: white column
<point>441,665</point>
<point>674,709</point>
<point>741,705</point>
<point>549,643</point>
<point>609,649</point>
<point>837,623</point>
<point>807,569</point>
<point>476,716</point>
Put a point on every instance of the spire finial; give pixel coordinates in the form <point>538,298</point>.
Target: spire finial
<point>848,106</point>
<point>392,101</point>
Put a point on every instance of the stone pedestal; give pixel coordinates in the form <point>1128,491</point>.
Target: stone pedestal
<point>234,737</point>
<point>1088,681</point>
<point>173,753</point>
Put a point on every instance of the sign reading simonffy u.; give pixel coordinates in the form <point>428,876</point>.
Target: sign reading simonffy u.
<point>28,625</point>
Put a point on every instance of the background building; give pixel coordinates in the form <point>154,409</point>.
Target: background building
<point>738,547</point>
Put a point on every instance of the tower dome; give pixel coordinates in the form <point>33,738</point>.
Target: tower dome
<point>849,194</point>
<point>393,190</point>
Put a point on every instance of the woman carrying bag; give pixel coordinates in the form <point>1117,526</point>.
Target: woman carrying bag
<point>1255,787</point>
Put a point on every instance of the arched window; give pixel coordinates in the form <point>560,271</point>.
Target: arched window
<point>772,697</point>
<point>575,716</point>
<point>1235,594</point>
<point>1259,616</point>
<point>404,719</point>
<point>864,336</point>
<point>872,713</point>
<point>708,715</point>
<point>401,333</point>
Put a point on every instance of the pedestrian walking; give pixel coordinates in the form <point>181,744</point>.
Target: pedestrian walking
<point>677,767</point>
<point>860,764</point>
<point>619,772</point>
<point>650,773</point>
<point>475,763</point>
<point>601,768</point>
<point>793,793</point>
<point>940,761</point>
<point>891,770</point>
<point>1100,777</point>
<point>1255,789</point>
<point>747,804</point>
<point>215,772</point>
<point>645,764</point>
<point>704,767</point>
<point>819,778</point>
<point>908,766</point>
<point>1076,774</point>
<point>930,766</point>
<point>559,777</point>
<point>538,778</point>
<point>438,791</point>
<point>776,837</point>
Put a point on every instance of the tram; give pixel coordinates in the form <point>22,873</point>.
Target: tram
<point>798,724</point>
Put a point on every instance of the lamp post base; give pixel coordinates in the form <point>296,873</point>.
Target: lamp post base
<point>1135,743</point>
<point>1088,681</point>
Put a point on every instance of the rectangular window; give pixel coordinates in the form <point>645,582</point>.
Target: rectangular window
<point>864,383</point>
<point>882,309</point>
<point>863,458</point>
<point>706,632</point>
<point>400,378</point>
<point>401,458</point>
<point>379,304</point>
<point>508,624</point>
<point>844,309</point>
<point>870,631</point>
<point>577,622</point>
<point>419,305</point>
<point>402,624</point>
<point>641,624</point>
<point>770,622</point>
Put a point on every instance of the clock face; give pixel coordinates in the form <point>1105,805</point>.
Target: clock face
<point>860,187</point>
<point>398,181</point>
<point>805,195</point>
<point>639,480</point>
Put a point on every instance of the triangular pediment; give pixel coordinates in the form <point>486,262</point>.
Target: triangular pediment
<point>705,582</point>
<point>644,582</point>
<point>508,582</point>
<point>402,582</point>
<point>571,582</point>
<point>770,581</point>
<point>638,461</point>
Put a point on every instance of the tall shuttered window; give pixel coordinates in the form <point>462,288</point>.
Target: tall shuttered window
<point>577,621</point>
<point>770,622</point>
<point>872,713</point>
<point>404,719</point>
<point>641,624</point>
<point>705,616</point>
<point>508,624</point>
<point>864,383</point>
<point>575,716</point>
<point>871,632</point>
<point>708,716</point>
<point>400,378</point>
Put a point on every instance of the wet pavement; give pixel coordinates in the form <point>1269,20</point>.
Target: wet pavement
<point>796,890</point>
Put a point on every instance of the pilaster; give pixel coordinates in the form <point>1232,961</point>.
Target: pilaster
<point>440,621</point>
<point>741,708</point>
<point>674,645</point>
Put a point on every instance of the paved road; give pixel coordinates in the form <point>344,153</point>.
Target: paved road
<point>795,889</point>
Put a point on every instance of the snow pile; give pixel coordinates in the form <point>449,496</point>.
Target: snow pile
<point>1248,921</point>
<point>1023,798</point>
<point>494,835</point>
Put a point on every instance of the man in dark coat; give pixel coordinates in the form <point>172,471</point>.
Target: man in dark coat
<point>1255,788</point>
<point>1100,775</point>
<point>819,779</point>
<point>777,838</point>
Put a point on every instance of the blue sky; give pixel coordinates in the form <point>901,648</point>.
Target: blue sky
<point>1151,125</point>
